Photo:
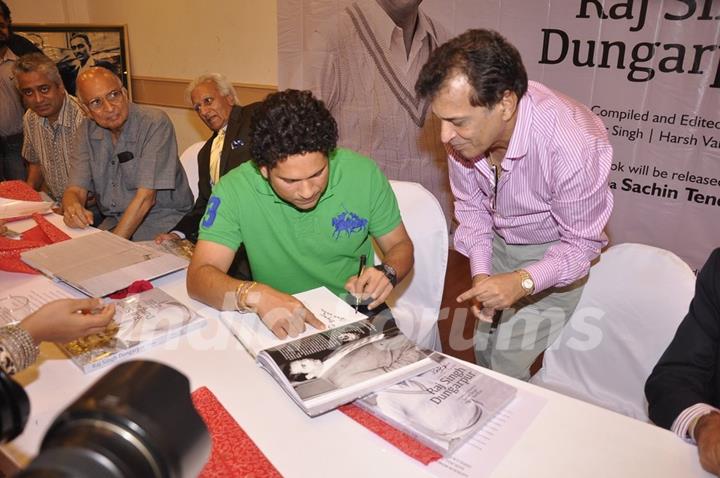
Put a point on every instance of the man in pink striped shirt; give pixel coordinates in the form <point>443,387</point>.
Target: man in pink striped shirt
<point>528,168</point>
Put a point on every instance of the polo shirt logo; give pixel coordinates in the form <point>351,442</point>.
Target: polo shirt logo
<point>348,222</point>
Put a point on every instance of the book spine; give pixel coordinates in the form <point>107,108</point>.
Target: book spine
<point>105,361</point>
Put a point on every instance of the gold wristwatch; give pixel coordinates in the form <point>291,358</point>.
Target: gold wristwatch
<point>526,282</point>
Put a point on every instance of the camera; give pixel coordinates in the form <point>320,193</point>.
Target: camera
<point>138,420</point>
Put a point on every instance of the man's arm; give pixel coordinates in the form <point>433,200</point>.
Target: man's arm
<point>208,282</point>
<point>135,213</point>
<point>74,212</point>
<point>35,176</point>
<point>686,373</point>
<point>397,249</point>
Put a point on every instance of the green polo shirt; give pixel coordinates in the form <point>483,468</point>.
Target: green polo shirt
<point>292,250</point>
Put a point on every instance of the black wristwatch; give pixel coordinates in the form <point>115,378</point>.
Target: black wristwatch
<point>389,272</point>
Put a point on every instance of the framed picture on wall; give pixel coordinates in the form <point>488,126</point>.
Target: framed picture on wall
<point>74,47</point>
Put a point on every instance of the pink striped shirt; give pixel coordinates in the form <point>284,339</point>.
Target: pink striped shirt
<point>553,187</point>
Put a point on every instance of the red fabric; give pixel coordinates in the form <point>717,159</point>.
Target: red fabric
<point>19,190</point>
<point>43,234</point>
<point>234,454</point>
<point>400,440</point>
<point>134,288</point>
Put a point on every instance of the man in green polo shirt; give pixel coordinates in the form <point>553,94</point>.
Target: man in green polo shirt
<point>306,212</point>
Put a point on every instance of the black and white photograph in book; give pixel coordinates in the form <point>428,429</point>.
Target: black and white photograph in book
<point>74,48</point>
<point>344,356</point>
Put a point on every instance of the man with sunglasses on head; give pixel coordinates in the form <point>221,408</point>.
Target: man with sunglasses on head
<point>127,155</point>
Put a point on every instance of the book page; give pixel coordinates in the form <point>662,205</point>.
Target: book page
<point>34,293</point>
<point>482,453</point>
<point>326,306</point>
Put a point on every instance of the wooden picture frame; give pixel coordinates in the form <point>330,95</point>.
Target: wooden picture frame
<point>76,46</point>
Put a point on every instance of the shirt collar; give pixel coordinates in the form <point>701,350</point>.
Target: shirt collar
<point>383,27</point>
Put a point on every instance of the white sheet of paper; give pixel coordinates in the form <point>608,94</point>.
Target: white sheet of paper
<point>38,291</point>
<point>327,307</point>
<point>480,455</point>
<point>14,208</point>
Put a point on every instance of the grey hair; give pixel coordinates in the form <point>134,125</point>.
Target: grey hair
<point>221,83</point>
<point>37,62</point>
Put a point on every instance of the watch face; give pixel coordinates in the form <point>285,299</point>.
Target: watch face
<point>527,284</point>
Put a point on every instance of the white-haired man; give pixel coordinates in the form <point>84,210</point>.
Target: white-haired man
<point>214,100</point>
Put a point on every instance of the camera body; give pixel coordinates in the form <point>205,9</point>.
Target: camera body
<point>137,420</point>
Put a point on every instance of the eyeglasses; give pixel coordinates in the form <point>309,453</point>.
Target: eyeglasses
<point>206,101</point>
<point>115,97</point>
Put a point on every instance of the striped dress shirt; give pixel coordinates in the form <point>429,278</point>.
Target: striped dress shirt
<point>553,187</point>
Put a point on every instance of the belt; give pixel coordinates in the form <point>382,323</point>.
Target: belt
<point>13,138</point>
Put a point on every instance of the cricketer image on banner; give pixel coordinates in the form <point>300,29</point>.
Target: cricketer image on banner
<point>649,69</point>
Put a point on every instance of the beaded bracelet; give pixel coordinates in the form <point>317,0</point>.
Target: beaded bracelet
<point>19,346</point>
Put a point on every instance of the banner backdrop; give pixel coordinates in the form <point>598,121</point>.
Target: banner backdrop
<point>649,68</point>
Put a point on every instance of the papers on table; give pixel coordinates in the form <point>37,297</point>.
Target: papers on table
<point>101,263</point>
<point>14,208</point>
<point>37,292</point>
<point>480,455</point>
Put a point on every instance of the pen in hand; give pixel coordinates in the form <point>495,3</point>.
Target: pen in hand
<point>363,258</point>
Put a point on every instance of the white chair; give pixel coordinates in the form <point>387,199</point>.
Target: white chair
<point>634,299</point>
<point>415,302</point>
<point>188,159</point>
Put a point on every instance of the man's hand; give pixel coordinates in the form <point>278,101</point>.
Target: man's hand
<point>490,293</point>
<point>372,283</point>
<point>68,319</point>
<point>77,216</point>
<point>707,436</point>
<point>282,313</point>
<point>170,236</point>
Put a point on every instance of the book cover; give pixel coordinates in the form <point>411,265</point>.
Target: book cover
<point>141,321</point>
<point>101,263</point>
<point>442,407</point>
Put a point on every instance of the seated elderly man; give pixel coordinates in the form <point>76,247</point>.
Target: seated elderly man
<point>50,123</point>
<point>306,212</point>
<point>214,100</point>
<point>127,155</point>
<point>683,390</point>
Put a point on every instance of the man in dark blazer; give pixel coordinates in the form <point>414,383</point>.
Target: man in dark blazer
<point>214,100</point>
<point>683,390</point>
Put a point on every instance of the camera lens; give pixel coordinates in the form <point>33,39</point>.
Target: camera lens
<point>14,408</point>
<point>136,421</point>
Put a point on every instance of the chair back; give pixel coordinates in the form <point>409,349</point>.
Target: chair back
<point>415,302</point>
<point>634,300</point>
<point>188,159</point>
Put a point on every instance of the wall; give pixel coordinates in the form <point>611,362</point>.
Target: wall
<point>179,39</point>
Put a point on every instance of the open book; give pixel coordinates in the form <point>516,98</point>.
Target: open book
<point>141,321</point>
<point>322,370</point>
<point>101,263</point>
<point>443,407</point>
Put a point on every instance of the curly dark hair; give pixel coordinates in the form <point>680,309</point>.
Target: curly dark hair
<point>291,122</point>
<point>491,64</point>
